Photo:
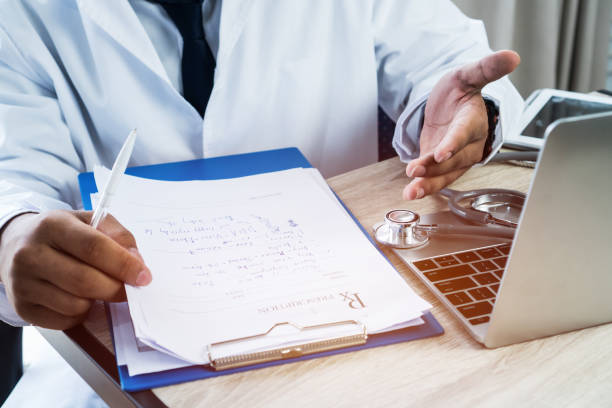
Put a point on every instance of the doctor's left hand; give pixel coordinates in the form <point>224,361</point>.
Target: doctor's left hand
<point>455,126</point>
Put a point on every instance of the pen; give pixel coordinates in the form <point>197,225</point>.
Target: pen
<point>111,186</point>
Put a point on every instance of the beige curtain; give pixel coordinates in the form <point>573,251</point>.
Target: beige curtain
<point>563,44</point>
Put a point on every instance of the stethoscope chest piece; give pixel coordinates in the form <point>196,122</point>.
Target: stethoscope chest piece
<point>399,230</point>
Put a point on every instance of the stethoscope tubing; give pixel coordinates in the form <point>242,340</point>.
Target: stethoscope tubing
<point>455,197</point>
<point>498,232</point>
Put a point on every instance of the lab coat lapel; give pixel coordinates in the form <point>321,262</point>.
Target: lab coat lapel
<point>234,15</point>
<point>122,24</point>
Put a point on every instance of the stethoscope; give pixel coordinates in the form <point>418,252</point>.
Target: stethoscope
<point>495,210</point>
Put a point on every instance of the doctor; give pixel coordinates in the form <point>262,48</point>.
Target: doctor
<point>77,75</point>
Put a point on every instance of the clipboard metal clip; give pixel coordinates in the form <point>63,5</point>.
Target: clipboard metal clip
<point>354,333</point>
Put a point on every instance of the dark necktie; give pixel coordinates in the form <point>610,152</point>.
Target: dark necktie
<point>198,63</point>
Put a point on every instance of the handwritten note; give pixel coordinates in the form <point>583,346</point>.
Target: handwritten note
<point>231,258</point>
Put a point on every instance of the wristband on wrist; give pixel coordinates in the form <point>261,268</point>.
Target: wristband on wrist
<point>493,119</point>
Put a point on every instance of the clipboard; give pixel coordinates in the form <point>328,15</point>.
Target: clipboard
<point>239,166</point>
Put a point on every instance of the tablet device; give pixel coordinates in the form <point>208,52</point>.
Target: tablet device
<point>544,106</point>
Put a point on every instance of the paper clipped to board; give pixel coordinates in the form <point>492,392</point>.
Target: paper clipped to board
<point>232,258</point>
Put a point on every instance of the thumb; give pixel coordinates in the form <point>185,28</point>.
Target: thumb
<point>490,68</point>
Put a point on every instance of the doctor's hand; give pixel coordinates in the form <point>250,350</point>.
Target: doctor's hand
<point>455,126</point>
<point>53,265</point>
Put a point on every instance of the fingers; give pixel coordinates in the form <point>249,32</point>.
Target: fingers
<point>469,126</point>
<point>80,279</point>
<point>42,293</point>
<point>41,316</point>
<point>420,187</point>
<point>490,68</point>
<point>418,167</point>
<point>464,159</point>
<point>72,236</point>
<point>432,177</point>
<point>44,263</point>
<point>461,146</point>
<point>110,227</point>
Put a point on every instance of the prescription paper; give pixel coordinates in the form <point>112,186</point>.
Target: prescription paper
<point>231,258</point>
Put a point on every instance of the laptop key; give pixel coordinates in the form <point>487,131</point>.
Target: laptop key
<point>494,288</point>
<point>481,293</point>
<point>504,249</point>
<point>488,252</point>
<point>447,260</point>
<point>455,285</point>
<point>467,256</point>
<point>501,262</point>
<point>425,265</point>
<point>484,266</point>
<point>449,273</point>
<point>458,298</point>
<point>475,309</point>
<point>480,320</point>
<point>485,278</point>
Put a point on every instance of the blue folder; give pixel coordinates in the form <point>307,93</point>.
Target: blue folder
<point>228,167</point>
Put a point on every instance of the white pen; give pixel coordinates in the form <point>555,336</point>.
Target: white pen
<point>117,171</point>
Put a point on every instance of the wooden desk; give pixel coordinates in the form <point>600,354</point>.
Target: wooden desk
<point>573,369</point>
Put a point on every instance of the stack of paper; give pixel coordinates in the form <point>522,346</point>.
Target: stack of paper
<point>231,258</point>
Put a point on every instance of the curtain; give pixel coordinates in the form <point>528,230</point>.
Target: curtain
<point>563,43</point>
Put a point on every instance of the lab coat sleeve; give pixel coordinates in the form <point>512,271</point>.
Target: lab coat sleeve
<point>416,43</point>
<point>37,154</point>
<point>7,312</point>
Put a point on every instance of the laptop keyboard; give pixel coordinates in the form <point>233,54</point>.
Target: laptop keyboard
<point>467,280</point>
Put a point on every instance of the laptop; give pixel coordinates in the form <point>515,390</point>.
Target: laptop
<point>556,275</point>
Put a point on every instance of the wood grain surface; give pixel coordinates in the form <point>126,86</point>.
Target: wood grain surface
<point>569,370</point>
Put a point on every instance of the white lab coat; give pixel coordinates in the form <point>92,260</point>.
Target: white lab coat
<point>77,75</point>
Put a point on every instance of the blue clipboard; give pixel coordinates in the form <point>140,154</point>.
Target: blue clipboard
<point>228,167</point>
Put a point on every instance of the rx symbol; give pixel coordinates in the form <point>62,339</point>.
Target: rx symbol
<point>354,301</point>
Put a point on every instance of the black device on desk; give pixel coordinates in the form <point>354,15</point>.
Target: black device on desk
<point>544,106</point>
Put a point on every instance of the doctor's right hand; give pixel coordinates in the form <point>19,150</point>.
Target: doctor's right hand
<point>54,265</point>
